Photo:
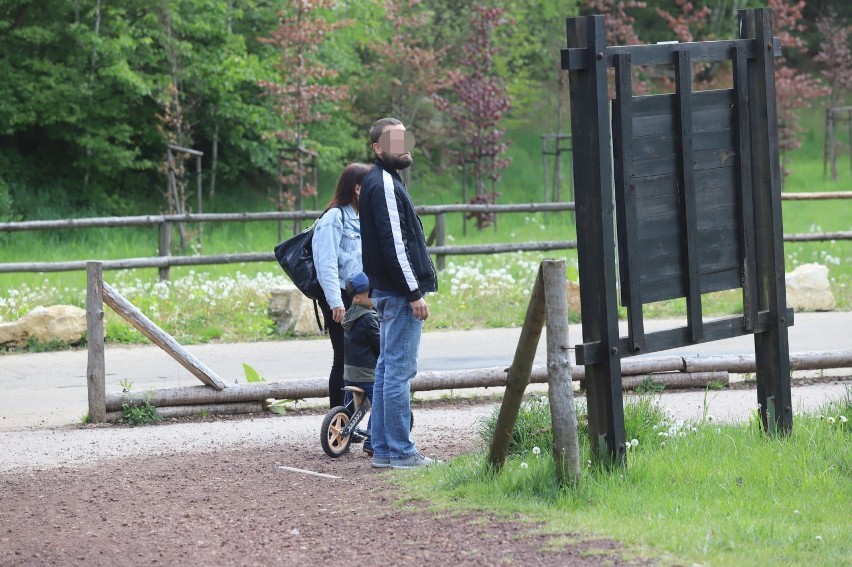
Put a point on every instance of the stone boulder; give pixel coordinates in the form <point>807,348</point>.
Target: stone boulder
<point>292,311</point>
<point>573,297</point>
<point>58,323</point>
<point>808,288</point>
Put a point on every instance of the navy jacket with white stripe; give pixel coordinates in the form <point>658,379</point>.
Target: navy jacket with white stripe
<point>393,245</point>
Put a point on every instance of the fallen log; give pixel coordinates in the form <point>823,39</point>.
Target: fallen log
<point>741,364</point>
<point>425,381</point>
<point>669,371</point>
<point>675,380</point>
<point>167,412</point>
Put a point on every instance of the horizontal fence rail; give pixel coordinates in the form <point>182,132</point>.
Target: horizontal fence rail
<point>166,260</point>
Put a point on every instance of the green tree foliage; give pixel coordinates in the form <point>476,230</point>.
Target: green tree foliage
<point>82,83</point>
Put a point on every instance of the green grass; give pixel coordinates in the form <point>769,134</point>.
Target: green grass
<point>704,493</point>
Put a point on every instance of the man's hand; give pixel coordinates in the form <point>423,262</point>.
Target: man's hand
<point>337,314</point>
<point>420,309</point>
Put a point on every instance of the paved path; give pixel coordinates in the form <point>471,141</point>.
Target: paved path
<point>49,389</point>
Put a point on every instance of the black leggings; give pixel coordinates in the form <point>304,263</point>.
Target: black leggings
<point>335,333</point>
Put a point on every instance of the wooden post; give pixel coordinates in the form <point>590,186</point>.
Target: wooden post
<point>519,376</point>
<point>441,238</point>
<point>96,368</point>
<point>198,190</point>
<point>160,338</point>
<point>596,247</point>
<point>563,414</point>
<point>772,351</point>
<point>165,248</point>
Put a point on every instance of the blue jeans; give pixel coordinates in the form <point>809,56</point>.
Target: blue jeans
<point>399,331</point>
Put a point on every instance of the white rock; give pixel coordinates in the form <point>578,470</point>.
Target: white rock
<point>13,334</point>
<point>63,323</point>
<point>808,288</point>
<point>292,311</point>
<point>57,323</point>
<point>573,297</point>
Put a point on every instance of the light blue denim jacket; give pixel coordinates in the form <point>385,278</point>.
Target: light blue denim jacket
<point>337,251</point>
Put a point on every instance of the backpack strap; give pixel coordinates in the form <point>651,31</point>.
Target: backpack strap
<point>323,330</point>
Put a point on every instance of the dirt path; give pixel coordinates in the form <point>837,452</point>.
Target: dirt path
<point>235,506</point>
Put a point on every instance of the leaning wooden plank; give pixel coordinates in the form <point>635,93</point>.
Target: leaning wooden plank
<point>199,410</point>
<point>160,338</point>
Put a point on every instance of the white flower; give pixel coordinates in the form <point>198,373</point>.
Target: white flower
<point>524,465</point>
<point>842,419</point>
<point>830,419</point>
<point>634,442</point>
<point>710,417</point>
<point>819,538</point>
<point>536,451</point>
<point>663,444</point>
<point>796,512</point>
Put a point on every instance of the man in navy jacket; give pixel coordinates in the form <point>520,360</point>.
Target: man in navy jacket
<point>401,273</point>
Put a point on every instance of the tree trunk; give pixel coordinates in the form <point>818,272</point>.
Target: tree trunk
<point>214,166</point>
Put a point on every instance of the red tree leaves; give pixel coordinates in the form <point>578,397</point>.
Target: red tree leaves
<point>834,54</point>
<point>305,84</point>
<point>481,102</point>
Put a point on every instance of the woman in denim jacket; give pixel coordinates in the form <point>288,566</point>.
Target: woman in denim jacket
<point>337,255</point>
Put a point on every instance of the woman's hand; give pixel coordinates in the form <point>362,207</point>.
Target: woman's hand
<point>337,314</point>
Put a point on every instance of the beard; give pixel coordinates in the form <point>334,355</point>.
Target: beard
<point>396,161</point>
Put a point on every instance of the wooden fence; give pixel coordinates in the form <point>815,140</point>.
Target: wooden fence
<point>216,396</point>
<point>437,241</point>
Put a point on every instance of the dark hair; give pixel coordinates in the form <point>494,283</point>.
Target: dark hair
<point>379,127</point>
<point>352,175</point>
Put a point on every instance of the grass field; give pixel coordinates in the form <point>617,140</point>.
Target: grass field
<point>700,493</point>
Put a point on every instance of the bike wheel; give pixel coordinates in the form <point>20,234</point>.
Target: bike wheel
<point>332,442</point>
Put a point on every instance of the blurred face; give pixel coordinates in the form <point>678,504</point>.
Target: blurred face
<point>394,147</point>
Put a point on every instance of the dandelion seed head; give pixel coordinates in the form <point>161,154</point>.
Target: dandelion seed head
<point>524,465</point>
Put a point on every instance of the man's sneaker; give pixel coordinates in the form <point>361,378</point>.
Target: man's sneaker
<point>381,462</point>
<point>412,461</point>
<point>367,448</point>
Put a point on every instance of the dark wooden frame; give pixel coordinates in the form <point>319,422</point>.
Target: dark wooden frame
<point>687,202</point>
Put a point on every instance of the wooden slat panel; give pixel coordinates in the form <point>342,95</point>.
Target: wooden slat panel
<point>668,225</point>
<point>665,204</point>
<point>749,267</point>
<point>672,287</point>
<point>705,180</point>
<point>655,146</point>
<point>718,118</point>
<point>574,58</point>
<point>590,353</point>
<point>703,101</point>
<point>704,159</point>
<point>710,260</point>
<point>707,239</point>
<point>627,223</point>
